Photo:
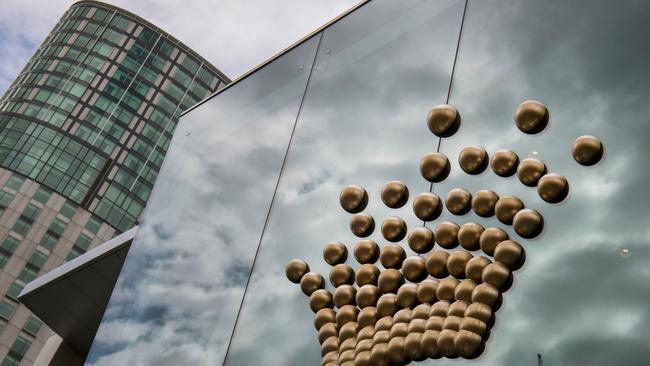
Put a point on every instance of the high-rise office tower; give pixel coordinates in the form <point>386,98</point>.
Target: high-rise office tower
<point>84,129</point>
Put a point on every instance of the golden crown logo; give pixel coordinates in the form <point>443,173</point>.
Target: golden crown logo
<point>438,303</point>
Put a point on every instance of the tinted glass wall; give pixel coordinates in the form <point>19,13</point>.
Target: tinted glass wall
<point>358,116</point>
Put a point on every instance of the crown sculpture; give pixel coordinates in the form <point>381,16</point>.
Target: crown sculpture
<point>439,302</point>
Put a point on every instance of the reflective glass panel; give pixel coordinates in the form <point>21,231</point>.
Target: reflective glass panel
<point>581,298</point>
<point>178,294</point>
<point>378,72</point>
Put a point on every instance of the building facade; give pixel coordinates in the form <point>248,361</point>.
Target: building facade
<point>254,175</point>
<point>83,132</point>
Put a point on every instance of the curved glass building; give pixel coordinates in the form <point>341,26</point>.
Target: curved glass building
<point>84,129</point>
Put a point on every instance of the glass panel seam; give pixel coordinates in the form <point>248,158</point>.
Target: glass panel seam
<point>275,191</point>
<point>451,78</point>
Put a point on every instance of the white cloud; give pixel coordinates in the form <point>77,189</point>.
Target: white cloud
<point>233,35</point>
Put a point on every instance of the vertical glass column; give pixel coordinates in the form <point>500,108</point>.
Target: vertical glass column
<point>581,296</point>
<point>378,72</point>
<point>182,284</point>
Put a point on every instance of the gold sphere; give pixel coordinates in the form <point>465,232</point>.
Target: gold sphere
<point>467,343</point>
<point>427,291</point>
<point>402,316</point>
<point>367,296</point>
<point>446,289</point>
<point>335,253</point>
<point>362,225</point>
<point>587,150</point>
<point>393,229</point>
<point>427,207</point>
<point>365,333</point>
<point>326,331</point>
<point>436,322</point>
<point>330,358</point>
<point>360,359</point>
<point>530,171</point>
<point>440,309</point>
<point>400,327</point>
<point>528,223</point>
<point>346,358</point>
<point>490,238</point>
<point>531,117</point>
<point>417,325</point>
<point>443,120</point>
<point>510,253</point>
<point>473,159</point>
<point>553,188</point>
<point>346,314</point>
<point>473,325</point>
<point>295,269</point>
<point>446,343</point>
<point>347,331</point>
<point>446,234</point>
<point>434,167</point>
<point>421,240</point>
<point>367,317</point>
<point>385,323</point>
<point>396,350</point>
<point>344,295</point>
<point>386,305</point>
<point>484,202</point>
<point>341,274</point>
<point>436,263</point>
<point>353,199</point>
<point>414,268</point>
<point>456,263</point>
<point>469,234</point>
<point>413,347</point>
<point>390,280</point>
<point>485,293</point>
<point>381,337</point>
<point>452,322</point>
<point>320,299</point>
<point>504,163</point>
<point>429,343</point>
<point>331,344</point>
<point>458,201</point>
<point>379,355</point>
<point>407,296</point>
<point>507,207</point>
<point>394,194</point>
<point>474,268</point>
<point>421,311</point>
<point>311,282</point>
<point>366,251</point>
<point>392,256</point>
<point>324,316</point>
<point>367,274</point>
<point>496,274</point>
<point>480,311</point>
<point>464,290</point>
<point>457,308</point>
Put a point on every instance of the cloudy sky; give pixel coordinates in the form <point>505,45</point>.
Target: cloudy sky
<point>234,35</point>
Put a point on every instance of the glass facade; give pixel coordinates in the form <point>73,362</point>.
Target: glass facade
<point>83,132</point>
<point>92,113</point>
<point>253,177</point>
